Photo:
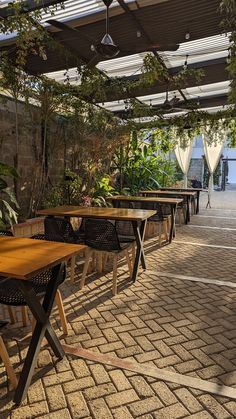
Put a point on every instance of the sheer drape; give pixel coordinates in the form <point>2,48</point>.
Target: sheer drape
<point>213,146</point>
<point>183,156</point>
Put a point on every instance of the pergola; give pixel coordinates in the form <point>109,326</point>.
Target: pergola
<point>137,26</point>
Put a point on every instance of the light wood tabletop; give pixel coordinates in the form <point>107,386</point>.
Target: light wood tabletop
<point>22,258</point>
<point>146,199</point>
<point>169,192</point>
<point>98,212</point>
<point>175,188</point>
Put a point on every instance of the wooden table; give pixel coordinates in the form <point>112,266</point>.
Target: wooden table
<point>179,194</point>
<point>21,259</point>
<point>172,202</point>
<point>197,190</point>
<point>137,217</point>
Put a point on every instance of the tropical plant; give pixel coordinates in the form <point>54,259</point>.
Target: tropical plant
<point>103,189</point>
<point>144,162</point>
<point>8,215</point>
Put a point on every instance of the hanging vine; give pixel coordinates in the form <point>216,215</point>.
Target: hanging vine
<point>228,24</point>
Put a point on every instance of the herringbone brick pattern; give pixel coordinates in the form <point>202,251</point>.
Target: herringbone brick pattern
<point>213,237</point>
<point>178,325</point>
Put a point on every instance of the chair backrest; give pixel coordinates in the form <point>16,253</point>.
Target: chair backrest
<point>59,227</point>
<point>41,281</point>
<point>125,228</point>
<point>49,237</point>
<point>6,233</point>
<point>101,235</point>
<point>155,206</point>
<point>11,295</point>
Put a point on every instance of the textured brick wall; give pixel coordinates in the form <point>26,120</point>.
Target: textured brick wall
<point>29,148</point>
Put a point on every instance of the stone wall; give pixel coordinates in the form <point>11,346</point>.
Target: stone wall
<point>30,149</point>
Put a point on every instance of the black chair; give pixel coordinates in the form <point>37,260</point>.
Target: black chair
<point>62,230</point>
<point>124,228</point>
<point>62,227</point>
<point>158,223</point>
<point>58,298</point>
<point>101,237</point>
<point>5,358</point>
<point>11,296</point>
<point>6,233</point>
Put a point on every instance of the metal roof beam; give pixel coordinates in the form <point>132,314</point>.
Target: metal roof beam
<point>206,102</point>
<point>213,73</point>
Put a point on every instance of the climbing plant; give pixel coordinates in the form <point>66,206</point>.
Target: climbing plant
<point>228,24</point>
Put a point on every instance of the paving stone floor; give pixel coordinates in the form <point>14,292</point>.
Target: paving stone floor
<point>162,321</point>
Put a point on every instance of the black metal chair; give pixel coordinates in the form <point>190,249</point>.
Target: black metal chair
<point>125,230</point>
<point>10,295</point>
<point>5,358</point>
<point>6,233</point>
<point>62,227</point>
<point>158,223</point>
<point>101,236</point>
<point>58,298</point>
<point>62,230</point>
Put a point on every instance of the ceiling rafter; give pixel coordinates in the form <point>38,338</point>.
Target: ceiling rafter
<point>143,32</point>
<point>205,102</point>
<point>214,72</point>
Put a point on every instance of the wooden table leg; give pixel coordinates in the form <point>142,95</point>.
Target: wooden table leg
<point>198,199</point>
<point>172,227</point>
<point>139,233</point>
<point>42,328</point>
<point>187,219</point>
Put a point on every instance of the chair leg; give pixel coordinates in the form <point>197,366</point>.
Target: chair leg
<point>104,261</point>
<point>99,256</point>
<point>89,253</point>
<point>61,311</point>
<point>24,314</point>
<point>129,263</point>
<point>72,270</point>
<point>114,284</point>
<point>6,361</point>
<point>165,226</point>
<point>160,233</point>
<point>12,314</point>
<point>179,211</point>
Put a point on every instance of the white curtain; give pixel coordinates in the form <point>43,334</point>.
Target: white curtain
<point>213,146</point>
<point>183,156</point>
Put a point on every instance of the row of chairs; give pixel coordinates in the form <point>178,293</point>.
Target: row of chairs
<point>101,236</point>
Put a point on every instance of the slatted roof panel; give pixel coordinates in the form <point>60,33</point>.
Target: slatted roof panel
<point>198,21</point>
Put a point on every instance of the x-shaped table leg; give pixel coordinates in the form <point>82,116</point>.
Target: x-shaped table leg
<point>139,233</point>
<point>172,227</point>
<point>41,313</point>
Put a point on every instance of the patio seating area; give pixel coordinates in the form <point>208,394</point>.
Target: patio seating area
<point>162,347</point>
<point>117,209</point>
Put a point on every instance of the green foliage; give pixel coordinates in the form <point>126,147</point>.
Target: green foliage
<point>143,165</point>
<point>8,215</point>
<point>103,189</point>
<point>228,10</point>
<point>232,134</point>
<point>152,70</point>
